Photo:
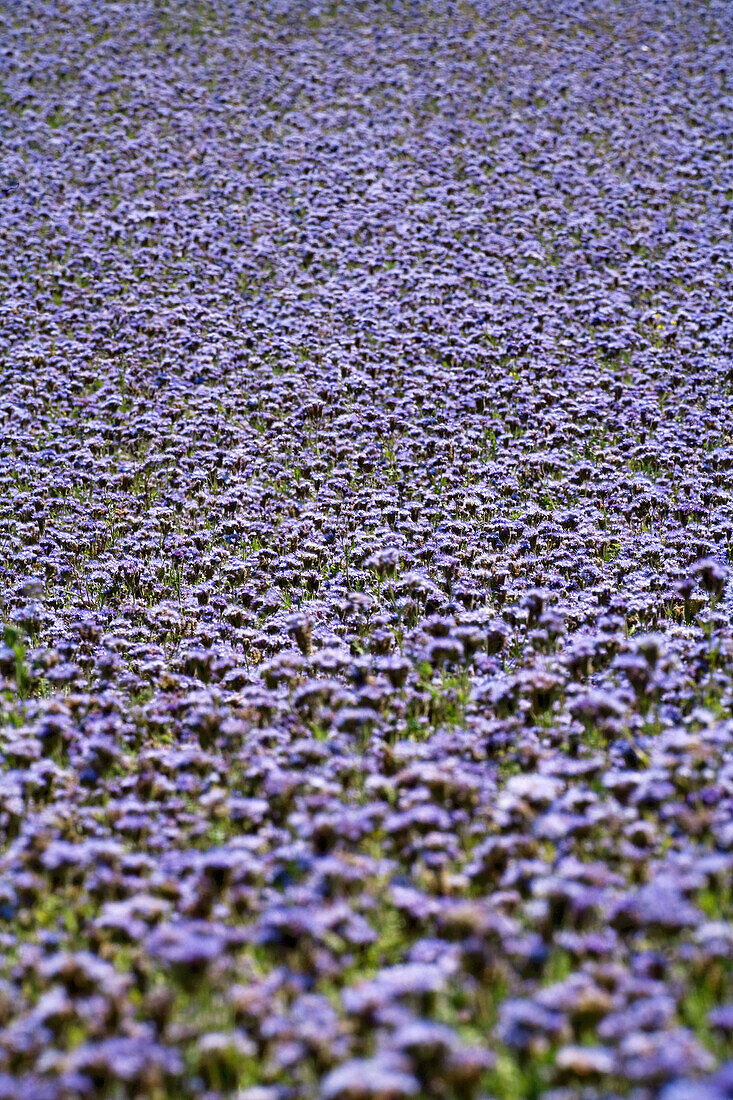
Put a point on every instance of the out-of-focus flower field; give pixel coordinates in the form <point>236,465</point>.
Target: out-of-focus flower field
<point>366,658</point>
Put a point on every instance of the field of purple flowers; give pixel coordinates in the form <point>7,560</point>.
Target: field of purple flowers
<point>366,666</point>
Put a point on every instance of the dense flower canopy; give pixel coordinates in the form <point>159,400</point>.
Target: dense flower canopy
<point>366,424</point>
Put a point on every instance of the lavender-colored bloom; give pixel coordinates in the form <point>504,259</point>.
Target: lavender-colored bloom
<point>383,1078</point>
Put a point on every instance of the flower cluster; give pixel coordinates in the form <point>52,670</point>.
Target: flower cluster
<point>366,422</point>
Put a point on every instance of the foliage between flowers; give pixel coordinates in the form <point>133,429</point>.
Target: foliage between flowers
<point>367,436</point>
